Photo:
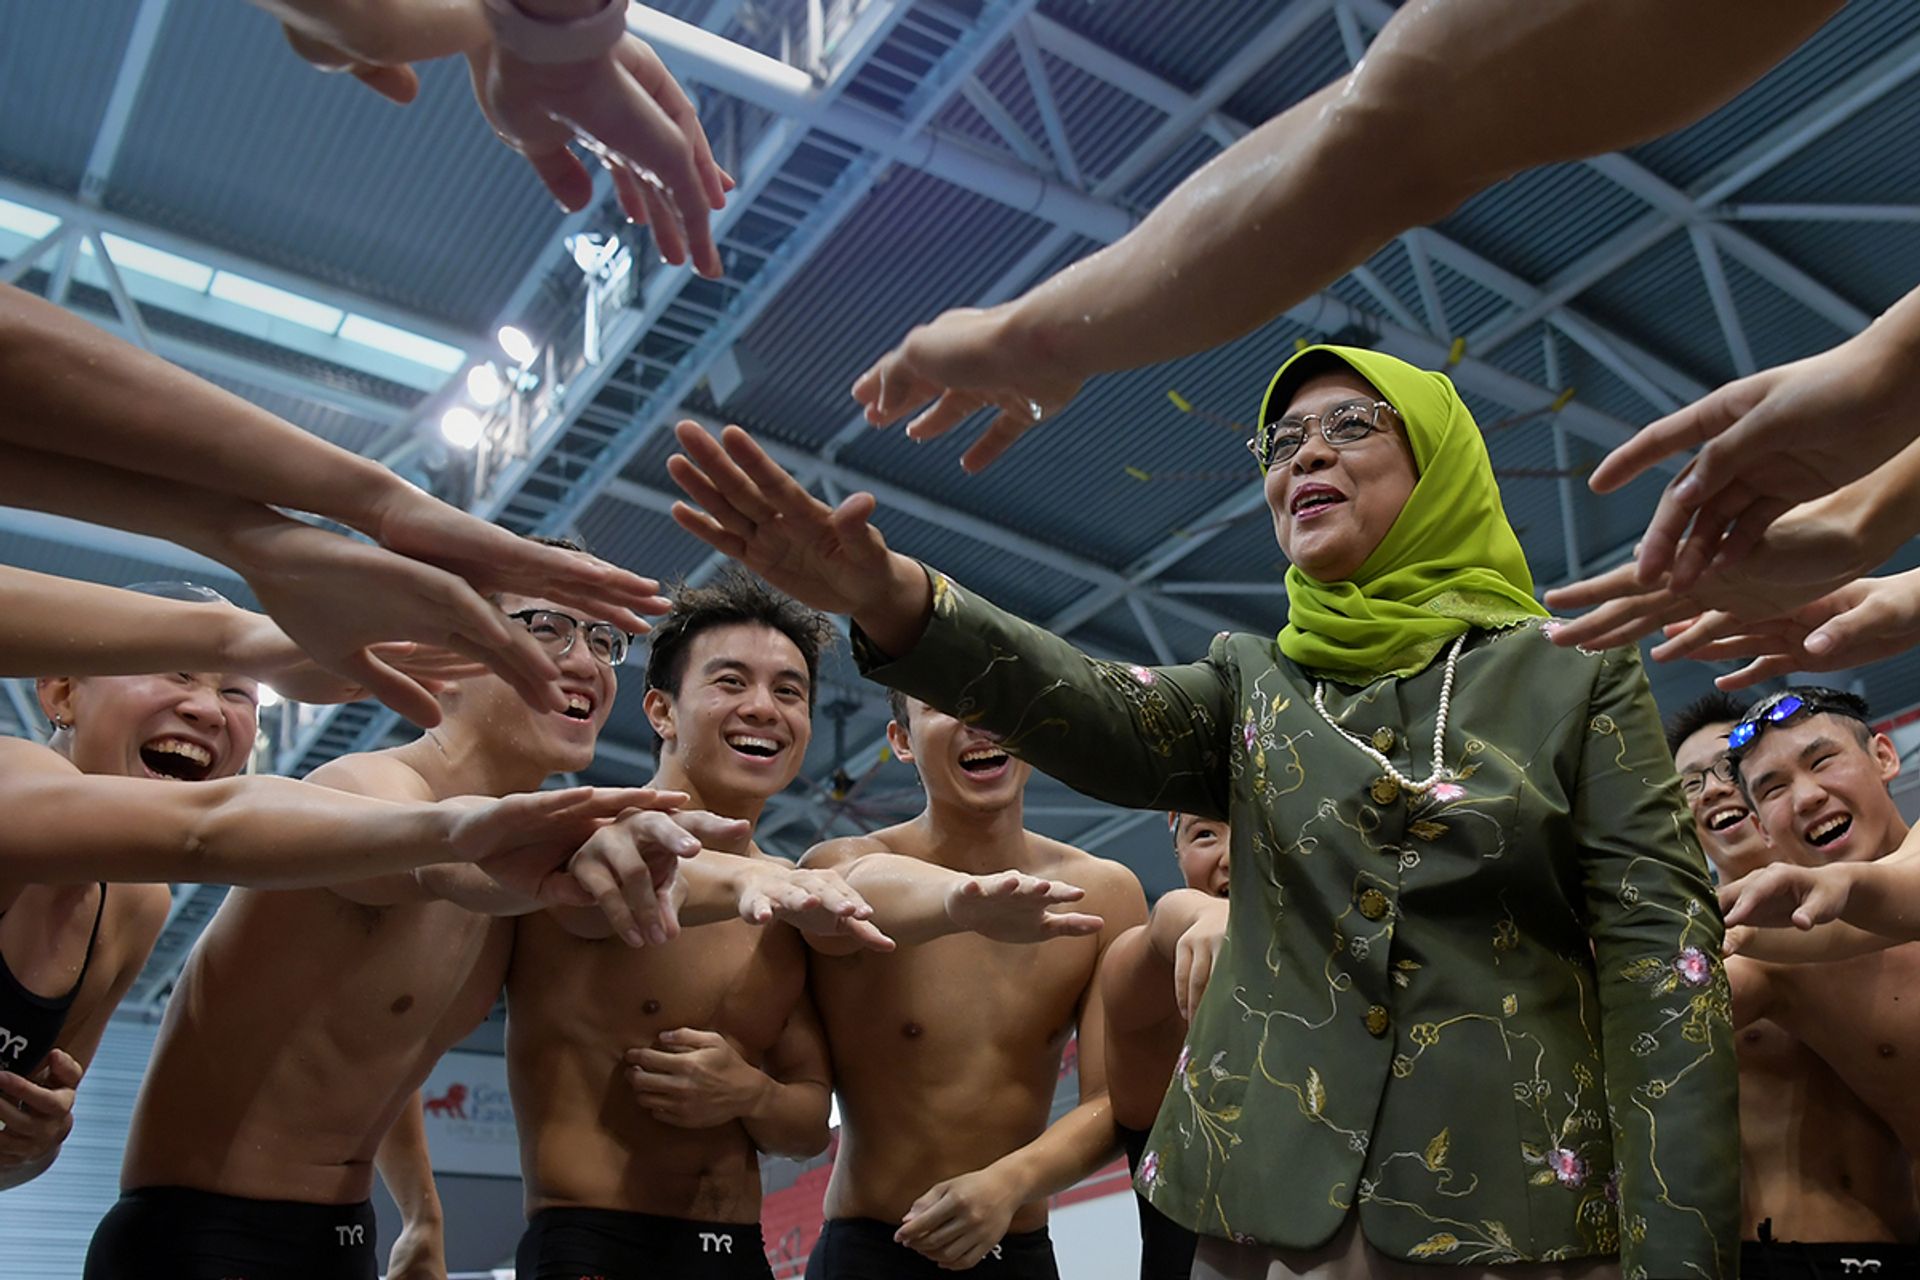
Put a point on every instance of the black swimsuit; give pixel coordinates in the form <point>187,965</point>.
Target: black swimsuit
<point>29,1023</point>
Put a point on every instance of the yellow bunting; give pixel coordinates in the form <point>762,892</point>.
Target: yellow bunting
<point>1138,474</point>
<point>1457,351</point>
<point>1562,400</point>
<point>1301,344</point>
<point>1180,402</point>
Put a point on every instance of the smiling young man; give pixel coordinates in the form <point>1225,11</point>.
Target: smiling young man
<point>946,1054</point>
<point>305,1019</point>
<point>1817,1164</point>
<point>647,1082</point>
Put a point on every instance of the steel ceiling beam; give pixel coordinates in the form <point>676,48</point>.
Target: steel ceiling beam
<point>67,209</point>
<point>135,62</point>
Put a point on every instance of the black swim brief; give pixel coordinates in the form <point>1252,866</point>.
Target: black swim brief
<point>608,1244</point>
<point>864,1249</point>
<point>1166,1247</point>
<point>184,1234</point>
<point>1787,1260</point>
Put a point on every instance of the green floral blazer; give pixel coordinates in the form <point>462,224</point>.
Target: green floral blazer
<point>1491,1019</point>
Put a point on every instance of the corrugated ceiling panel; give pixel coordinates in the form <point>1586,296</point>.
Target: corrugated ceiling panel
<point>1313,60</point>
<point>421,207</point>
<point>1870,159</point>
<point>1778,328</point>
<point>1852,38</point>
<point>1184,45</point>
<point>1660,300</point>
<point>1105,124</point>
<point>1872,264</point>
<point>915,246</point>
<point>58,63</point>
<point>1538,222</point>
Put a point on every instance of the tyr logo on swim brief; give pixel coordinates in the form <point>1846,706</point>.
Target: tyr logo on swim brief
<point>11,1046</point>
<point>344,1236</point>
<point>1860,1266</point>
<point>716,1242</point>
<point>996,1255</point>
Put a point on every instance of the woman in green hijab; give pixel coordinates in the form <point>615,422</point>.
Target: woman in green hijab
<point>1470,1010</point>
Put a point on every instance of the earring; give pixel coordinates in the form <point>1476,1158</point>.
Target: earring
<point>60,725</point>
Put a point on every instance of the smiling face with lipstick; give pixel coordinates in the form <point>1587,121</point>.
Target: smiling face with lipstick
<point>1339,472</point>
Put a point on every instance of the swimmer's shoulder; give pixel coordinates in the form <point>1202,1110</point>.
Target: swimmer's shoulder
<point>383,775</point>
<point>829,854</point>
<point>1105,880</point>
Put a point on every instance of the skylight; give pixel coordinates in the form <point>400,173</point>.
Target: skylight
<point>275,302</point>
<point>129,255</point>
<point>410,346</point>
<point>22,220</point>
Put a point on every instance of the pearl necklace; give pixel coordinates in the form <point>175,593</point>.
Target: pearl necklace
<point>1440,771</point>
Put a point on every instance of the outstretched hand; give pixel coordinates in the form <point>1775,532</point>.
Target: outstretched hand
<point>628,110</point>
<point>964,361</point>
<point>1815,549</point>
<point>527,842</point>
<point>269,655</point>
<point>627,868</point>
<point>1862,622</point>
<point>494,560</point>
<point>818,902</point>
<point>1008,906</point>
<point>1780,437</point>
<point>1783,895</point>
<point>829,557</point>
<point>339,598</point>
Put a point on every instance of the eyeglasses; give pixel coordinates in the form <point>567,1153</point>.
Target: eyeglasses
<point>1344,424</point>
<point>1694,781</point>
<point>1784,708</point>
<point>556,632</point>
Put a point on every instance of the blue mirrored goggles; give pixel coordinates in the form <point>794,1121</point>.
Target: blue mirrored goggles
<point>1784,708</point>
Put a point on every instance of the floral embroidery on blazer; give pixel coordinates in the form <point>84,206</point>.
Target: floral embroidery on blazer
<point>1490,1018</point>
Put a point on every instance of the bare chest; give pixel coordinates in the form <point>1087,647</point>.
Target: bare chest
<point>955,996</point>
<point>735,979</point>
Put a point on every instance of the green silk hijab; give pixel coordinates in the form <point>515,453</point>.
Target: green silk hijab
<point>1450,562</point>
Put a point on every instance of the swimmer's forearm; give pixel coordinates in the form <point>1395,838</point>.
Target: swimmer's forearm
<point>1822,944</point>
<point>1078,1144</point>
<point>1885,899</point>
<point>50,624</point>
<point>707,887</point>
<point>387,32</point>
<point>261,832</point>
<point>1174,914</point>
<point>73,389</point>
<point>405,1164</point>
<point>790,1119</point>
<point>909,897</point>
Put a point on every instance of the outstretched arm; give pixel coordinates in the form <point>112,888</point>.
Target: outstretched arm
<point>1836,903</point>
<point>1449,99</point>
<point>52,626</point>
<point>915,901</point>
<point>67,827</point>
<point>1162,732</point>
